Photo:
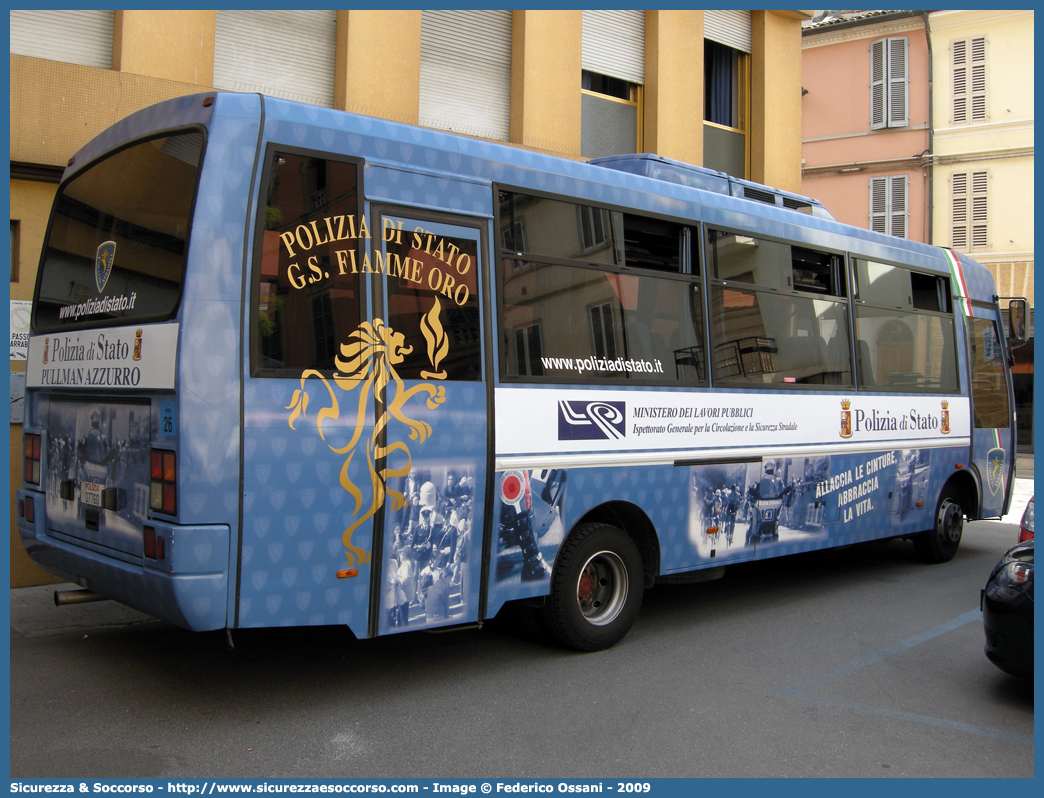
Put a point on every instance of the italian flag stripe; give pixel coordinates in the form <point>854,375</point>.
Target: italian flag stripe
<point>958,278</point>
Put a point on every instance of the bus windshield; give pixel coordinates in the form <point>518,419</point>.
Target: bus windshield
<point>115,251</point>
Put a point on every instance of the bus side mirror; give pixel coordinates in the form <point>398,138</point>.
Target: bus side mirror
<point>1016,322</point>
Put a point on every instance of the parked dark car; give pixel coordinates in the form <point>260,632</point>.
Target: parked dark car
<point>1026,527</point>
<point>1007,611</point>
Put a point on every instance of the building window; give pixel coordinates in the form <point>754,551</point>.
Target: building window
<point>970,210</point>
<point>888,209</point>
<point>14,251</point>
<point>889,80</point>
<point>969,80</point>
<point>465,72</point>
<point>726,77</point>
<point>612,75</point>
<point>289,54</point>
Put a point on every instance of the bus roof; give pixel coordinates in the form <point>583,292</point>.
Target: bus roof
<point>653,183</point>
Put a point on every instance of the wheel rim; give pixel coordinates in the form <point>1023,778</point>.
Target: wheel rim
<point>601,588</point>
<point>951,522</point>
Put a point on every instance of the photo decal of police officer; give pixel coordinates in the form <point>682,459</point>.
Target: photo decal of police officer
<point>430,565</point>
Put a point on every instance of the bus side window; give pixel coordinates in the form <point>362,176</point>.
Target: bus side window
<point>989,388</point>
<point>905,335</point>
<point>308,292</point>
<point>789,324</point>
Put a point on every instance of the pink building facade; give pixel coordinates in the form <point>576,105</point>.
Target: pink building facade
<point>865,120</point>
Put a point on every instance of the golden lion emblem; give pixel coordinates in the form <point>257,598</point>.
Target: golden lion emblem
<point>367,364</point>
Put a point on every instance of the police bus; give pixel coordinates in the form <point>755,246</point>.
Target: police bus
<point>291,366</point>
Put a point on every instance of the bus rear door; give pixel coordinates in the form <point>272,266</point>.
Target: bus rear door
<point>431,426</point>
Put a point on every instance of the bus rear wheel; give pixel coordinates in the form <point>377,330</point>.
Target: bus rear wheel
<point>596,588</point>
<point>940,543</point>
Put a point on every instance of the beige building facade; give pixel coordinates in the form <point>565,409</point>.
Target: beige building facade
<point>381,64</point>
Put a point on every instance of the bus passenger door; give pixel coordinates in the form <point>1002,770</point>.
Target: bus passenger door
<point>432,422</point>
<point>993,441</point>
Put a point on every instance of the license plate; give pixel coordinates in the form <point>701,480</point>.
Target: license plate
<point>90,494</point>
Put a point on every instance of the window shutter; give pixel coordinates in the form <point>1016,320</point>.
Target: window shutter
<point>978,79</point>
<point>288,54</point>
<point>980,210</point>
<point>465,72</point>
<point>898,209</point>
<point>879,204</point>
<point>731,28</point>
<point>969,80</point>
<point>888,211</point>
<point>898,111</point>
<point>970,209</point>
<point>614,44</point>
<point>878,87</point>
<point>889,104</point>
<point>73,37</point>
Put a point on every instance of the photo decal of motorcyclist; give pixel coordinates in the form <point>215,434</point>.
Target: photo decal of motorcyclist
<point>98,472</point>
<point>796,499</point>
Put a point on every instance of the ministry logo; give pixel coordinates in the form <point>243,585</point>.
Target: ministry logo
<point>591,421</point>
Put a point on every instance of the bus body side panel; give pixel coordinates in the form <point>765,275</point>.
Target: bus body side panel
<point>721,477</point>
<point>209,390</point>
<point>296,512</point>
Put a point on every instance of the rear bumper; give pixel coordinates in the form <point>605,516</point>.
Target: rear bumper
<point>1009,637</point>
<point>188,587</point>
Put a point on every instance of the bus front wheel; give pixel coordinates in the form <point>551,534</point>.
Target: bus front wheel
<point>596,588</point>
<point>940,543</point>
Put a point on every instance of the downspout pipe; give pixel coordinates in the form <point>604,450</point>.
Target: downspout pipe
<point>931,130</point>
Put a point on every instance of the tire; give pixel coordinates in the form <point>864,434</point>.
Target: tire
<point>596,588</point>
<point>940,543</point>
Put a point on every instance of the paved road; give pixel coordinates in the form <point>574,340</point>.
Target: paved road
<point>860,662</point>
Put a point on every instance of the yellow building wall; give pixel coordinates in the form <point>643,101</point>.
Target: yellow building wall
<point>1002,144</point>
<point>775,125</point>
<point>30,207</point>
<point>545,80</point>
<point>673,115</point>
<point>378,64</point>
<point>172,45</point>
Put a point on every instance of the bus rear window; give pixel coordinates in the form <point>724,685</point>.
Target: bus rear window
<point>115,250</point>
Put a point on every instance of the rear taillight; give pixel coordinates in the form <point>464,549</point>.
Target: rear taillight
<point>27,509</point>
<point>163,489</point>
<point>153,545</point>
<point>31,461</point>
<point>1026,527</point>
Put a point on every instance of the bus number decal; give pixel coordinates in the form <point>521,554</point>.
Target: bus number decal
<point>168,426</point>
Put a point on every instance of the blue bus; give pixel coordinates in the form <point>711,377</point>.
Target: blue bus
<point>291,366</point>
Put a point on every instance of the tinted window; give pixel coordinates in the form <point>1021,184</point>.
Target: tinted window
<point>309,281</point>
<point>559,229</point>
<point>902,351</point>
<point>760,337</point>
<point>433,301</point>
<point>584,324</point>
<point>115,251</point>
<point>905,336</point>
<point>742,258</point>
<point>988,385</point>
